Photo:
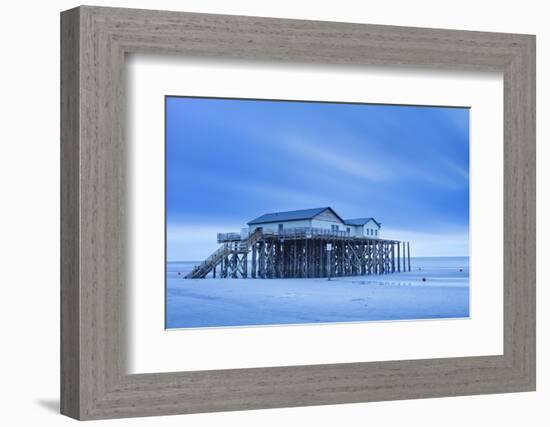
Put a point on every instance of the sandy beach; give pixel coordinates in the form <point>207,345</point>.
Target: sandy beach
<point>246,302</point>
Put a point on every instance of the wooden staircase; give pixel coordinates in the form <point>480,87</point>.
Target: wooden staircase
<point>252,240</point>
<point>243,247</point>
<point>200,271</point>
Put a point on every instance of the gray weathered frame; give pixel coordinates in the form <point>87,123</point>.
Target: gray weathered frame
<point>94,41</point>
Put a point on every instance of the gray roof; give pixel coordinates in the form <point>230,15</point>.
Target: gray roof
<point>361,221</point>
<point>291,215</point>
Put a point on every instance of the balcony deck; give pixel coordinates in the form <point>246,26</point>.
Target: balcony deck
<point>300,233</point>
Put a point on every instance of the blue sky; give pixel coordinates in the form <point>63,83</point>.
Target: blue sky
<point>228,161</point>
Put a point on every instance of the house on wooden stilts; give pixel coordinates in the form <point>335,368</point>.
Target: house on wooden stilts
<point>305,243</point>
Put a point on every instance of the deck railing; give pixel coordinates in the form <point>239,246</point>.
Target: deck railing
<point>304,232</point>
<point>229,237</point>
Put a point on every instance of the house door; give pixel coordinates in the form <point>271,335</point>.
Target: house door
<point>280,228</point>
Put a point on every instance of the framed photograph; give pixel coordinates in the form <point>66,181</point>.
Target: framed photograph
<point>252,156</point>
<point>262,213</point>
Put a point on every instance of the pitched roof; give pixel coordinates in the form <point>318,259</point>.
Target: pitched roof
<point>291,215</point>
<point>361,221</point>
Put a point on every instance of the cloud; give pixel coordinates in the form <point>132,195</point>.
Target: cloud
<point>454,243</point>
<point>194,242</point>
<point>343,161</point>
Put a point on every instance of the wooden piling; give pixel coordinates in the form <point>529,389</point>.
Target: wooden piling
<point>409,255</point>
<point>404,256</point>
<point>398,260</point>
<point>307,255</point>
<point>393,257</point>
<point>253,266</point>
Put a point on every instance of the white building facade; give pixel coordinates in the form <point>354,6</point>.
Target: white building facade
<point>318,218</point>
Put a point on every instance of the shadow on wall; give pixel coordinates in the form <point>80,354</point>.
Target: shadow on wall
<point>51,405</point>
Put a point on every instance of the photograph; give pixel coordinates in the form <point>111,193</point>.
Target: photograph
<point>282,212</point>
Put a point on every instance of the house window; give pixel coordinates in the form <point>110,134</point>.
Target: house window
<point>348,230</point>
<point>281,228</point>
<point>376,232</point>
<point>334,228</point>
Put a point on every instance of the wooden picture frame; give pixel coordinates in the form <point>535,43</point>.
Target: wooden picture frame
<point>94,382</point>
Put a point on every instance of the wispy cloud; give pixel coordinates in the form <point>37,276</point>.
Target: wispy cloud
<point>432,244</point>
<point>193,242</point>
<point>331,158</point>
